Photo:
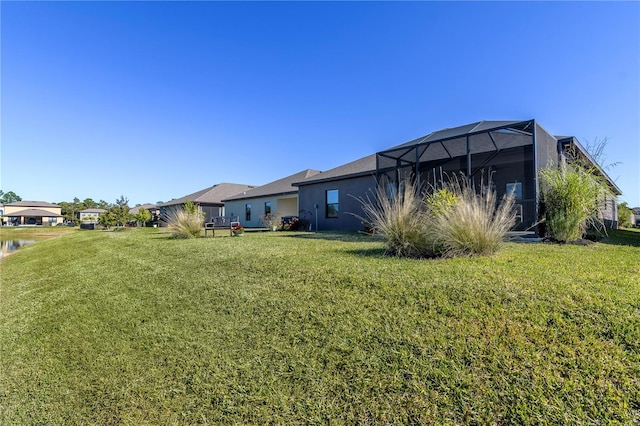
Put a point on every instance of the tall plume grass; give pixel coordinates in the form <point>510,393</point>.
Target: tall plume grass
<point>572,196</point>
<point>402,219</point>
<point>185,222</point>
<point>474,224</point>
<point>453,221</point>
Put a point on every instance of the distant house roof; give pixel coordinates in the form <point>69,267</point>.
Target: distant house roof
<point>212,195</point>
<point>33,213</point>
<point>31,204</point>
<point>279,187</point>
<point>148,206</point>
<point>361,167</point>
<point>93,211</point>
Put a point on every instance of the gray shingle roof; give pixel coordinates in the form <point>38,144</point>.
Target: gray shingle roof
<point>277,187</point>
<point>93,211</point>
<point>212,195</point>
<point>361,167</point>
<point>32,213</point>
<point>148,206</point>
<point>25,203</point>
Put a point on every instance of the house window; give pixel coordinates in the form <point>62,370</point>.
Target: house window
<point>515,189</point>
<point>391,191</point>
<point>247,212</point>
<point>332,203</point>
<point>267,208</point>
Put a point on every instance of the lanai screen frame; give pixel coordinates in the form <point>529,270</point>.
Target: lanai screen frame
<point>409,154</point>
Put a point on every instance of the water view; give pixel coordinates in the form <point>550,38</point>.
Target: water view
<point>9,246</point>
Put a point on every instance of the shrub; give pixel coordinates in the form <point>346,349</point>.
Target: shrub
<point>625,215</point>
<point>572,197</point>
<point>468,223</point>
<point>441,200</point>
<point>271,220</point>
<point>299,224</point>
<point>403,220</point>
<point>107,219</point>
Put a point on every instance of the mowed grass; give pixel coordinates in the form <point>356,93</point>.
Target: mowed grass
<point>283,328</point>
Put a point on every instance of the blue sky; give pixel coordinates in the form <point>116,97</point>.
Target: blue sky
<point>155,100</point>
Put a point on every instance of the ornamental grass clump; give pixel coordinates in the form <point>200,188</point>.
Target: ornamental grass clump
<point>472,224</point>
<point>572,198</point>
<point>402,219</point>
<point>452,221</point>
<point>185,222</point>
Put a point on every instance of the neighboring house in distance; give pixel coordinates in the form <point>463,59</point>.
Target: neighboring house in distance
<point>32,213</point>
<point>330,197</point>
<point>278,197</point>
<point>511,152</point>
<point>636,217</point>
<point>86,214</point>
<point>154,209</point>
<point>208,200</point>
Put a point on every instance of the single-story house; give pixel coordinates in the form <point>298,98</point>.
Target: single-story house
<point>90,214</point>
<point>279,197</point>
<point>154,209</point>
<point>32,213</point>
<point>636,216</point>
<point>507,155</point>
<point>329,199</point>
<point>208,200</point>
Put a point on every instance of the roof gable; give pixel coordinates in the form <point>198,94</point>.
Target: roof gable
<point>26,203</point>
<point>212,195</point>
<point>148,206</point>
<point>363,166</point>
<point>277,187</point>
<point>32,213</point>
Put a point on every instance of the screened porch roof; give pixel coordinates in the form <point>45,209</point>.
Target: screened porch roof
<point>484,136</point>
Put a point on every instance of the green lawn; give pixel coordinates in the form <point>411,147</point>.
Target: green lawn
<point>136,328</point>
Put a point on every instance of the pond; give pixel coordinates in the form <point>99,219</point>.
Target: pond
<point>9,246</point>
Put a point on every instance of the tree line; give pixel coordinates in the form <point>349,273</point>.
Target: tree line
<point>116,214</point>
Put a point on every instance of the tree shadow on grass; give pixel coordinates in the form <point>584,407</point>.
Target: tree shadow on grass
<point>622,237</point>
<point>346,236</point>
<point>369,252</point>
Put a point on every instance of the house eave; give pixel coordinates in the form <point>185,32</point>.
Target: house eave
<point>337,178</point>
<point>253,197</point>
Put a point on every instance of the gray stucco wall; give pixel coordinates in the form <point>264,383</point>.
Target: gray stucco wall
<point>310,195</point>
